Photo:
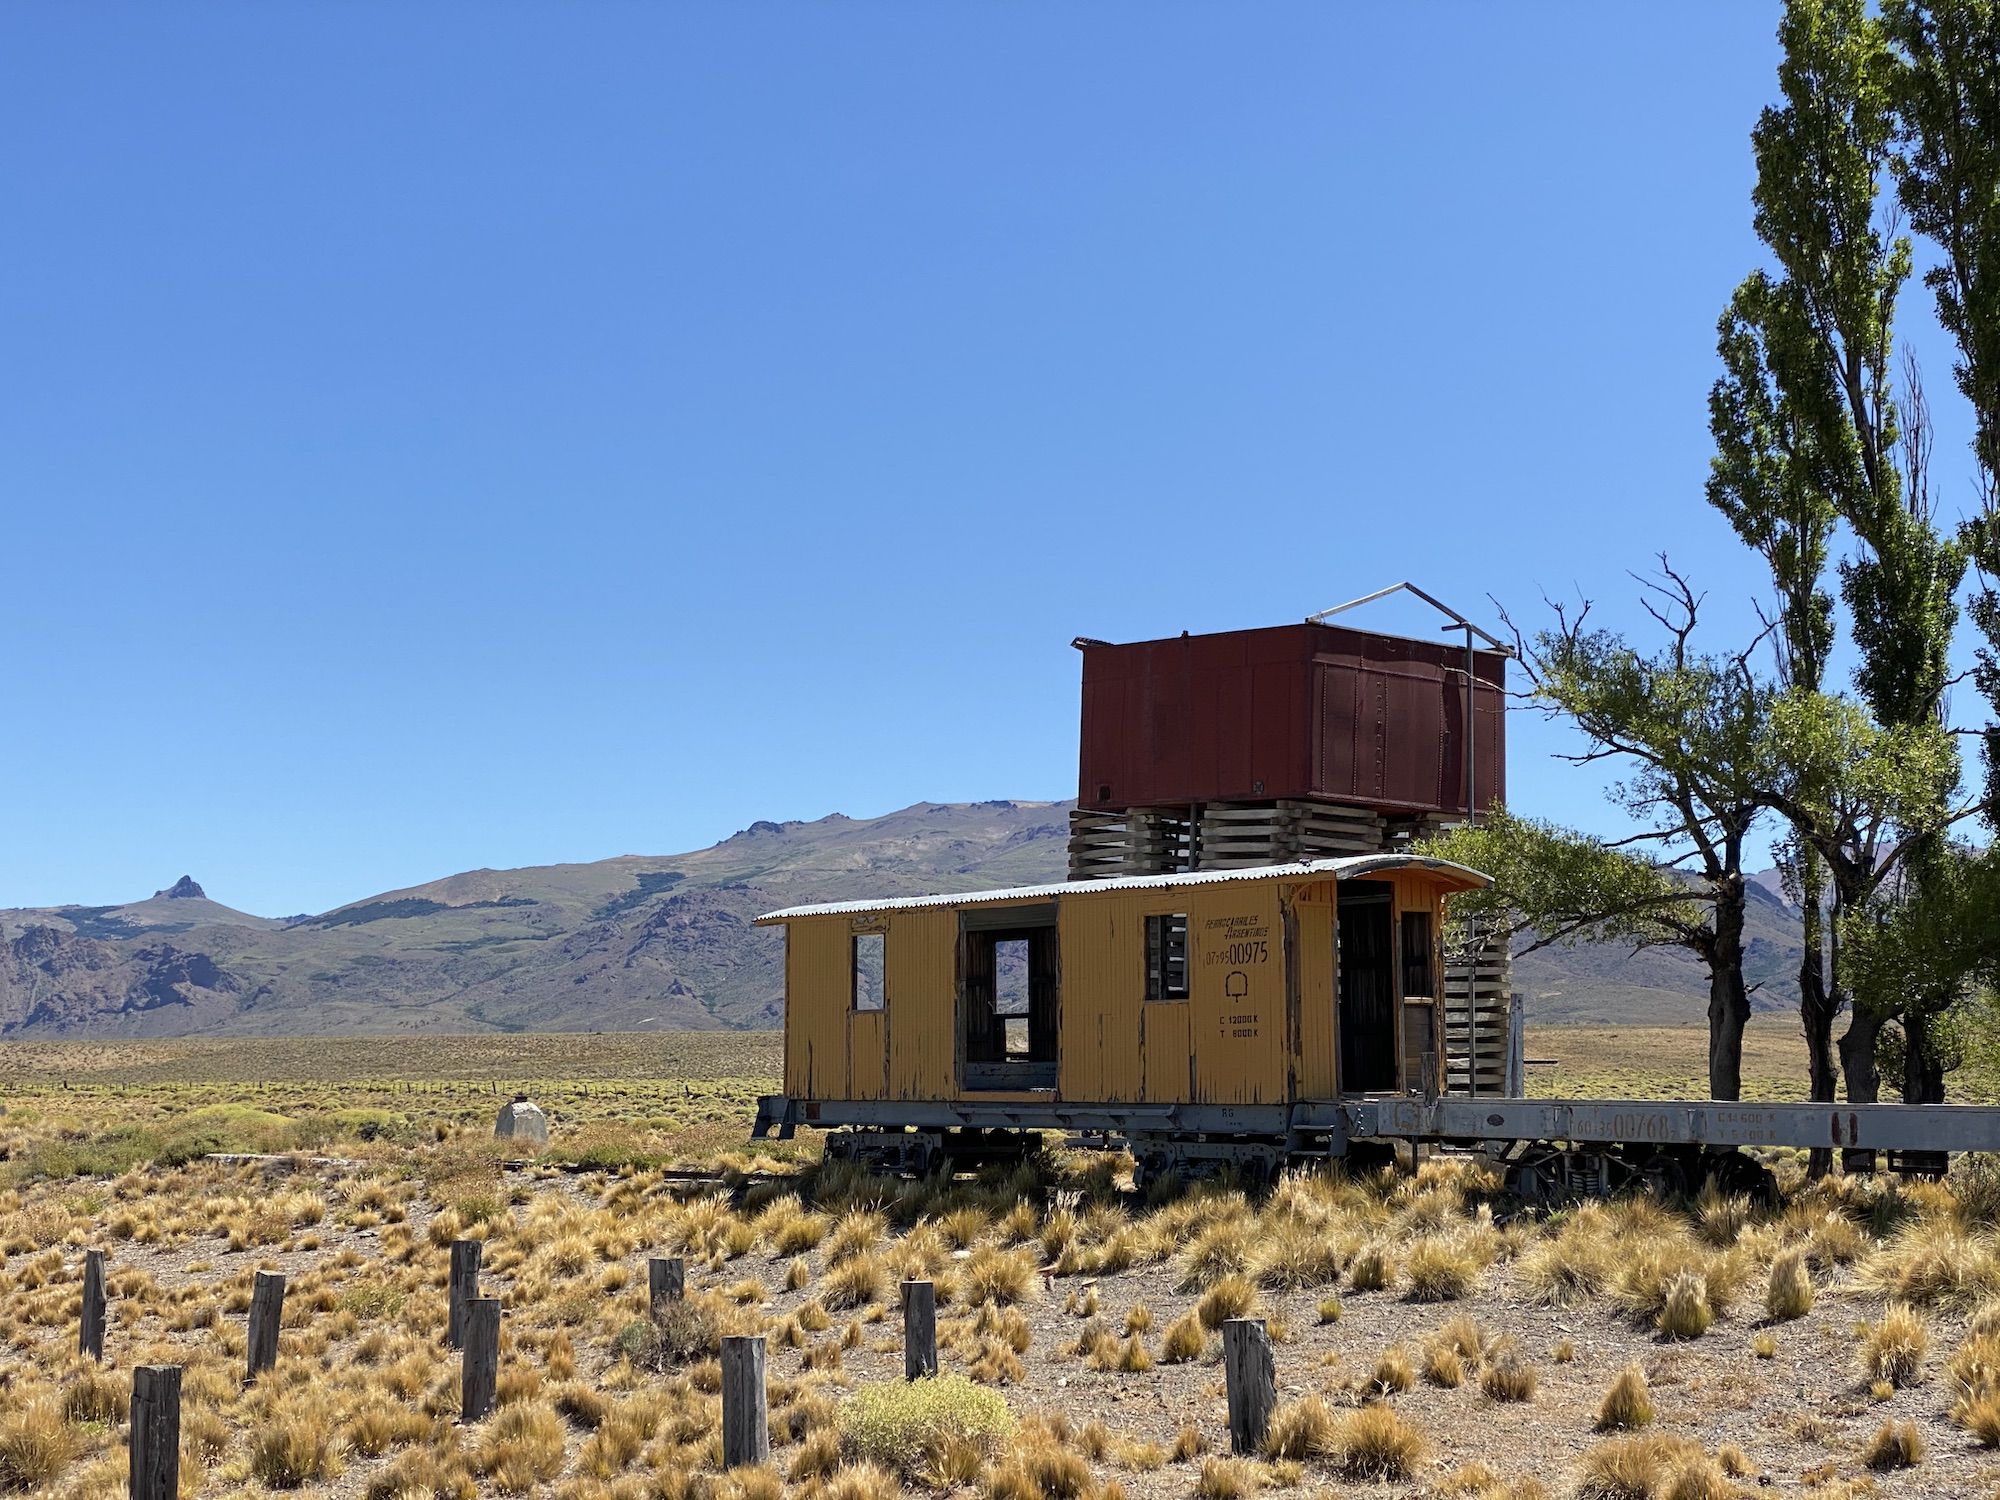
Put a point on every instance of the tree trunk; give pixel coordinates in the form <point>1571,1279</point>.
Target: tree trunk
<point>1816,1013</point>
<point>1923,1069</point>
<point>1864,1078</point>
<point>1728,999</point>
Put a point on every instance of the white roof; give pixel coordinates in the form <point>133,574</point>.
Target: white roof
<point>1348,867</point>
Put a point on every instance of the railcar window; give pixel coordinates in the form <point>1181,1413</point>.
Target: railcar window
<point>1416,953</point>
<point>1010,992</point>
<point>868,991</point>
<point>1167,957</point>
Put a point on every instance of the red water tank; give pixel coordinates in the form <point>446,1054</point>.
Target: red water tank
<point>1290,711</point>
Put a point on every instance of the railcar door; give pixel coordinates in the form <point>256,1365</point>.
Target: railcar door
<point>1365,959</point>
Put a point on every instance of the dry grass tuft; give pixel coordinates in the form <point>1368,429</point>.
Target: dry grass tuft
<point>1301,1429</point>
<point>1894,1348</point>
<point>1790,1293</point>
<point>1933,1261</point>
<point>1374,1269</point>
<point>36,1445</point>
<point>1896,1445</point>
<point>858,1279</point>
<point>1185,1341</point>
<point>1227,1479</point>
<point>1509,1377</point>
<point>1443,1367</point>
<point>924,1425</point>
<point>1002,1277</point>
<point>1231,1297</point>
<point>1040,1465</point>
<point>1649,1467</point>
<point>1440,1268</point>
<point>1392,1374</point>
<point>1685,1312</point>
<point>1628,1404</point>
<point>1375,1443</point>
<point>521,1448</point>
<point>293,1445</point>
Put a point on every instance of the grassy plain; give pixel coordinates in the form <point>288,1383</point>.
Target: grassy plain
<point>1431,1339</point>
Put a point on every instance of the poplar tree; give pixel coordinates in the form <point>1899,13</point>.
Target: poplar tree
<point>1809,433</point>
<point>1946,92</point>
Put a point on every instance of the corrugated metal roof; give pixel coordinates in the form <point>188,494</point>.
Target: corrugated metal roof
<point>1348,867</point>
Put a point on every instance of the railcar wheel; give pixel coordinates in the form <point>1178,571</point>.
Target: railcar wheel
<point>1665,1176</point>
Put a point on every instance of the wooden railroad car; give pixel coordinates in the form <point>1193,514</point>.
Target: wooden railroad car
<point>1191,1015</point>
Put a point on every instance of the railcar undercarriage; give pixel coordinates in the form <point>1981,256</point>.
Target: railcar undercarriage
<point>1552,1151</point>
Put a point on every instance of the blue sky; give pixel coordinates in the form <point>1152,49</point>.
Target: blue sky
<point>435,436</point>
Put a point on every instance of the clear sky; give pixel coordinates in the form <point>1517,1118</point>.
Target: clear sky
<point>435,436</point>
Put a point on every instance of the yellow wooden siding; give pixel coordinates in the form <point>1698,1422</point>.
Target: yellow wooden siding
<point>1313,983</point>
<point>818,997</point>
<point>867,1055</point>
<point>1164,1034</point>
<point>1238,1027</point>
<point>1261,1025</point>
<point>1103,989</point>
<point>921,960</point>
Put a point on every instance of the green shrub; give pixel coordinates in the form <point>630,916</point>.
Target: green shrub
<point>907,1425</point>
<point>680,1331</point>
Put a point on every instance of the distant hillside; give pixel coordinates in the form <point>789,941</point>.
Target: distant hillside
<point>635,943</point>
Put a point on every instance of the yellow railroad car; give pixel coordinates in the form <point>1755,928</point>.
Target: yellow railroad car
<point>1199,1016</point>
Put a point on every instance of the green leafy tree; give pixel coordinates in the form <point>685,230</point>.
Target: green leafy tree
<point>1688,726</point>
<point>1558,887</point>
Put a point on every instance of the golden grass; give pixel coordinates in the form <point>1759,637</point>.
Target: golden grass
<point>1789,1294</point>
<point>1375,1443</point>
<point>1628,1404</point>
<point>1896,1445</point>
<point>1301,1429</point>
<point>1893,1348</point>
<point>1186,1339</point>
<point>1509,1377</point>
<point>583,1418</point>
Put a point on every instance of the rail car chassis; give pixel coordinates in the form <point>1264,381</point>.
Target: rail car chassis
<point>1552,1150</point>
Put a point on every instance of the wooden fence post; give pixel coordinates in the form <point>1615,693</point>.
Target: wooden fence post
<point>666,1281</point>
<point>746,1426</point>
<point>464,1287</point>
<point>480,1377</point>
<point>267,1310</point>
<point>919,1330</point>
<point>90,1327</point>
<point>1251,1376</point>
<point>155,1443</point>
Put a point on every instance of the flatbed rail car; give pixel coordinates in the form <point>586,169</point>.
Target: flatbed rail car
<point>1240,1017</point>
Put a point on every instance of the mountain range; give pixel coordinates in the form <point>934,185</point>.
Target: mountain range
<point>635,943</point>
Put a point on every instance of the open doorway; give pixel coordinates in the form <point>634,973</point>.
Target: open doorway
<point>1365,960</point>
<point>1007,1017</point>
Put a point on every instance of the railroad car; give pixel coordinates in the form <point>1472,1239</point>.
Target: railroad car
<point>1241,1018</point>
<point>1189,1014</point>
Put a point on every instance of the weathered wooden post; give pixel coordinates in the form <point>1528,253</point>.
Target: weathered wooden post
<point>155,1443</point>
<point>267,1310</point>
<point>90,1327</point>
<point>666,1281</point>
<point>919,1330</point>
<point>746,1426</point>
<point>479,1379</point>
<point>464,1287</point>
<point>1251,1377</point>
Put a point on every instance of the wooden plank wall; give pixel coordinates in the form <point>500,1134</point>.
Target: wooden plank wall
<point>1250,1032</point>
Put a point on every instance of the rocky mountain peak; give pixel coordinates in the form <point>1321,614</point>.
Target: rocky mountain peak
<point>184,889</point>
